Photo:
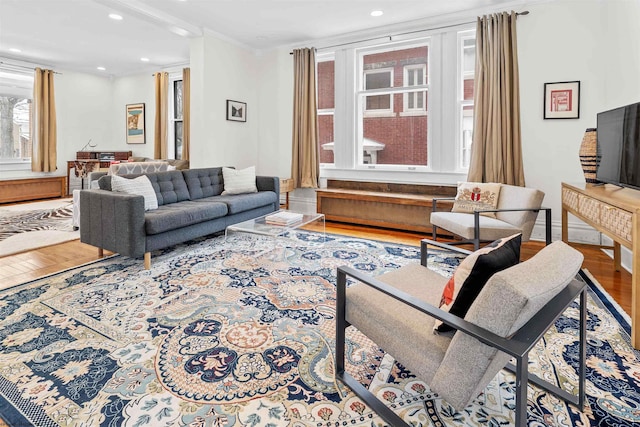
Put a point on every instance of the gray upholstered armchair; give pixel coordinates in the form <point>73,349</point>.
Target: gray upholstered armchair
<point>397,311</point>
<point>517,210</point>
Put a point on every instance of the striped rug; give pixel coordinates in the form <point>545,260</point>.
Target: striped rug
<point>29,226</point>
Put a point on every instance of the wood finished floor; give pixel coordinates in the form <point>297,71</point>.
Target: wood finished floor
<point>20,268</point>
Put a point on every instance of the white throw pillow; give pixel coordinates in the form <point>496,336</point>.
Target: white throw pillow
<point>140,186</point>
<point>239,181</point>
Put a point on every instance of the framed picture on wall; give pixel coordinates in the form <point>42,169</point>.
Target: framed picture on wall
<point>135,124</point>
<point>236,111</point>
<point>562,100</point>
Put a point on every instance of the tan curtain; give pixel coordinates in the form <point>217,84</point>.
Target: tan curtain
<point>43,123</point>
<point>186,112</point>
<point>305,165</point>
<point>162,116</point>
<point>496,152</point>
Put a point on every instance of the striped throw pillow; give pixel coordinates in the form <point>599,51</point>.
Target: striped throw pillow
<point>239,181</point>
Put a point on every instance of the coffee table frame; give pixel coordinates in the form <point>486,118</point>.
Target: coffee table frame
<point>259,226</point>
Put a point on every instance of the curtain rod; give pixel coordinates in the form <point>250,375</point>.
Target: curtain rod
<point>5,64</point>
<point>526,12</point>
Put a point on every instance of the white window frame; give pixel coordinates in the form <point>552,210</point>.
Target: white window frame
<point>443,121</point>
<point>392,91</point>
<point>378,112</point>
<point>327,111</point>
<point>171,143</point>
<point>413,111</point>
<point>462,74</point>
<point>18,84</point>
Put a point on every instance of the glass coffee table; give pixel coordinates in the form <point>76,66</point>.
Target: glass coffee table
<point>260,226</point>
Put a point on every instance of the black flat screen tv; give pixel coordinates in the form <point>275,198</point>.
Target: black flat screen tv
<point>618,142</point>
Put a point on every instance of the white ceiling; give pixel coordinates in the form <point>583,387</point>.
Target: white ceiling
<point>78,35</point>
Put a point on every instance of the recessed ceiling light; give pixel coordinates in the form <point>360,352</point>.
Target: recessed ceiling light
<point>101,68</point>
<point>15,49</point>
<point>377,13</point>
<point>144,59</point>
<point>115,16</point>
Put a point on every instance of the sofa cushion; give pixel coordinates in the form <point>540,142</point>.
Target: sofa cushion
<point>140,186</point>
<point>239,181</point>
<point>170,187</point>
<point>205,182</point>
<point>176,215</point>
<point>245,202</point>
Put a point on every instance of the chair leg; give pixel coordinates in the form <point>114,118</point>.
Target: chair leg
<point>476,231</point>
<point>547,219</point>
<point>147,260</point>
<point>434,232</point>
<point>341,323</point>
<point>522,381</point>
<point>582,368</point>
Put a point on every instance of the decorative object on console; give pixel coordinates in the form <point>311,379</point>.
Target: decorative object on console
<point>562,100</point>
<point>83,168</point>
<point>135,124</point>
<point>589,158</point>
<point>236,111</point>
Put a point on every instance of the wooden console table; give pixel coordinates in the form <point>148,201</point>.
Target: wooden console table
<point>615,212</point>
<point>102,158</point>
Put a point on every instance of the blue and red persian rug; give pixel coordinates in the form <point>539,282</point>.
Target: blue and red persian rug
<point>241,333</point>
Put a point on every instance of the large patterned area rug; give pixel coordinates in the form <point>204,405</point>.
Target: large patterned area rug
<point>28,226</point>
<point>241,333</point>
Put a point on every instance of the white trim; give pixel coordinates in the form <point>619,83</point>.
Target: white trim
<point>410,111</point>
<point>372,92</point>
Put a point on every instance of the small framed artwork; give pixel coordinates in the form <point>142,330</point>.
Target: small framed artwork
<point>562,100</point>
<point>135,124</point>
<point>236,111</point>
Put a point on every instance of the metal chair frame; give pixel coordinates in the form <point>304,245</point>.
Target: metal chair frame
<point>476,220</point>
<point>518,346</point>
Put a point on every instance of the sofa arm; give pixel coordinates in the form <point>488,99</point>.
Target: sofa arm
<point>113,221</point>
<point>268,183</point>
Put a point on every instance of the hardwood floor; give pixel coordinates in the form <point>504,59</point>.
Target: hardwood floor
<point>19,268</point>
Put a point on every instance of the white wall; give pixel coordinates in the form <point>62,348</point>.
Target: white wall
<point>221,71</point>
<point>83,112</point>
<point>93,107</point>
<point>275,103</point>
<point>593,41</point>
<point>132,90</point>
<point>558,41</point>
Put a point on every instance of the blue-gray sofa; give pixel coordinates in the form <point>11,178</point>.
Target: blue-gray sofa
<point>190,205</point>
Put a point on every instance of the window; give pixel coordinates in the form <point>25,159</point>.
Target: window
<point>175,112</point>
<point>326,107</point>
<point>15,118</point>
<point>391,138</point>
<point>467,45</point>
<point>378,79</point>
<point>403,110</point>
<point>415,75</point>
